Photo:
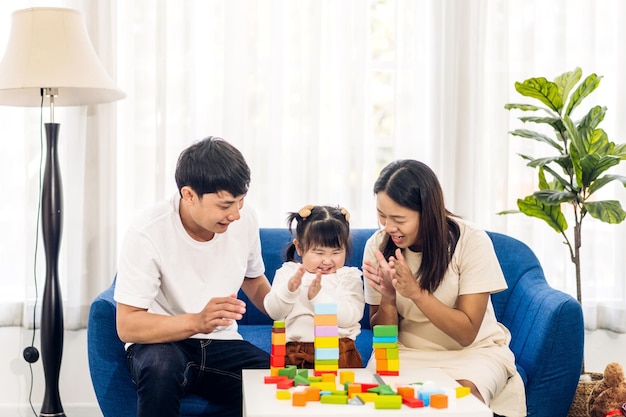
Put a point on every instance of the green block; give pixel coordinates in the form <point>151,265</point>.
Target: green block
<point>289,371</point>
<point>337,399</point>
<point>388,402</point>
<point>385,330</point>
<point>279,324</point>
<point>385,345</point>
<point>382,390</point>
<point>301,380</point>
<point>303,372</point>
<point>392,353</point>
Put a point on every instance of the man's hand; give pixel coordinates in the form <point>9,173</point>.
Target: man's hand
<point>220,311</point>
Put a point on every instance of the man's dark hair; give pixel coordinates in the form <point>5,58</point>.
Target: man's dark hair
<point>212,165</point>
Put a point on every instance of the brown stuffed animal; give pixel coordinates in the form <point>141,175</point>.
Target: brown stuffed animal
<point>610,393</point>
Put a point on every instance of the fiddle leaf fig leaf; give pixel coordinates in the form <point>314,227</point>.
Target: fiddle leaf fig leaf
<point>552,215</point>
<point>593,165</point>
<point>602,181</point>
<point>531,134</point>
<point>543,90</point>
<point>554,197</point>
<point>608,211</point>
<point>594,116</point>
<point>520,106</point>
<point>567,81</point>
<point>583,90</point>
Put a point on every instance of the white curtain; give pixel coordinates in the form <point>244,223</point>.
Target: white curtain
<point>319,95</point>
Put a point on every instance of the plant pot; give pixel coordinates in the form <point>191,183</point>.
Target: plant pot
<point>580,404</point>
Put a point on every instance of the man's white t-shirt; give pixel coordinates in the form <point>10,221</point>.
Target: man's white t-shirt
<point>164,270</point>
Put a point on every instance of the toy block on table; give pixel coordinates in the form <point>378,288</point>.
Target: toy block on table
<point>439,401</point>
<point>388,402</point>
<point>298,399</point>
<point>385,345</point>
<point>279,342</point>
<point>326,338</point>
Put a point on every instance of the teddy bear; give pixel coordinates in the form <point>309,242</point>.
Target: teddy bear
<point>609,395</point>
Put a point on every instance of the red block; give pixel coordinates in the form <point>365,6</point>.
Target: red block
<point>412,402</point>
<point>285,384</point>
<point>274,379</point>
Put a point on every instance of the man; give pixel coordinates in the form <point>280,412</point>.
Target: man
<point>181,265</point>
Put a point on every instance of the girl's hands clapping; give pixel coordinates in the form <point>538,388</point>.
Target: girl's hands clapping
<point>295,282</point>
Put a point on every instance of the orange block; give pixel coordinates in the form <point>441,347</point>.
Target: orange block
<point>406,392</point>
<point>312,393</point>
<point>439,401</point>
<point>354,389</point>
<point>298,399</point>
<point>325,320</point>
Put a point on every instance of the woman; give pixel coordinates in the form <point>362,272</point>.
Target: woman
<point>432,273</point>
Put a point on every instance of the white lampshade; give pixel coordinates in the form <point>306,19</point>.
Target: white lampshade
<point>50,48</point>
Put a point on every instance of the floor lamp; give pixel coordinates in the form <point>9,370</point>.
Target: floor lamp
<point>50,58</point>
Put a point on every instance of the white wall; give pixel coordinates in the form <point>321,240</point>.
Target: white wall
<point>78,398</point>
<point>77,395</point>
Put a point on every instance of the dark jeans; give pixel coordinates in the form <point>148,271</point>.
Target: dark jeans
<point>165,372</point>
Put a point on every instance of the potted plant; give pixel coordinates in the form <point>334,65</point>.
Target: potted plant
<point>577,166</point>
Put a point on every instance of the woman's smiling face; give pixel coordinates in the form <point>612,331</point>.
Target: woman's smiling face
<point>400,223</point>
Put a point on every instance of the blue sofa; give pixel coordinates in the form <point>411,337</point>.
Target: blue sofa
<point>546,327</point>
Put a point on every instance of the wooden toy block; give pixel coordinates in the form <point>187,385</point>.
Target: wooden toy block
<point>334,399</point>
<point>320,369</point>
<point>346,376</point>
<point>356,400</point>
<point>392,353</point>
<point>325,320</point>
<point>283,395</point>
<point>462,391</point>
<point>425,395</point>
<point>324,386</point>
<point>368,397</point>
<point>393,340</point>
<point>385,330</point>
<point>278,330</point>
<point>278,350</point>
<point>278,324</point>
<point>439,401</point>
<point>274,379</point>
<point>303,373</point>
<point>298,399</point>
<point>326,371</point>
<point>326,362</point>
<point>382,390</point>
<point>325,309</point>
<point>388,373</point>
<point>354,389</point>
<point>301,380</point>
<point>328,377</point>
<point>326,331</point>
<point>274,371</point>
<point>277,361</point>
<point>393,365</point>
<point>284,384</point>
<point>381,365</point>
<point>323,342</point>
<point>279,338</point>
<point>289,371</point>
<point>314,378</point>
<point>312,393</point>
<point>388,402</point>
<point>385,345</point>
<point>406,392</point>
<point>412,402</point>
<point>326,353</point>
<point>381,353</point>
<point>366,386</point>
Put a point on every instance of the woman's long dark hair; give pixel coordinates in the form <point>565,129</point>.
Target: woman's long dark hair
<point>412,184</point>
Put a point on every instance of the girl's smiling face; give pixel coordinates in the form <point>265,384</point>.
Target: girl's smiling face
<point>400,223</point>
<point>322,259</point>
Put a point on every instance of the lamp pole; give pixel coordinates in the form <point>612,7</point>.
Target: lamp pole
<point>52,303</point>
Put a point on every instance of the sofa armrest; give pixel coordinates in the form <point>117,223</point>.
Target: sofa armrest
<point>110,377</point>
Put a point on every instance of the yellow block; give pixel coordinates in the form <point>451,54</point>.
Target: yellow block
<point>326,342</point>
<point>393,365</point>
<point>367,397</point>
<point>346,376</point>
<point>462,391</point>
<point>328,377</point>
<point>324,386</point>
<point>283,394</point>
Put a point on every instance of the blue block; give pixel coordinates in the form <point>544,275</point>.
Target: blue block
<point>325,308</point>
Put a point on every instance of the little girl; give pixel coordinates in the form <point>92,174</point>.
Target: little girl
<point>322,241</point>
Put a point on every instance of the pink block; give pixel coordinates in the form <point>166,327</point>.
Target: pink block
<point>321,331</point>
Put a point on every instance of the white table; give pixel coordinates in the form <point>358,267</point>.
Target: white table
<point>259,398</point>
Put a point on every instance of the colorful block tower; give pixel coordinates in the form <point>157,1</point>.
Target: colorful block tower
<point>279,342</point>
<point>326,338</point>
<point>385,344</point>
